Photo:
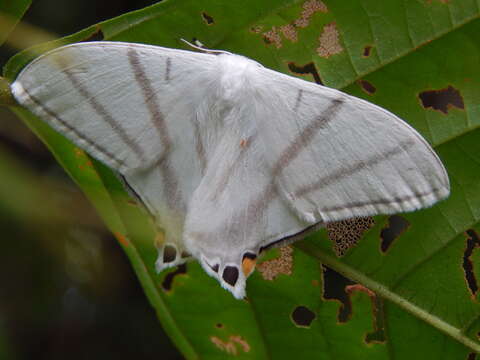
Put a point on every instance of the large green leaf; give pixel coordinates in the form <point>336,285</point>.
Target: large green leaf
<point>419,59</point>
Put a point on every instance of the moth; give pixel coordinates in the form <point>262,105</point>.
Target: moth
<point>229,157</point>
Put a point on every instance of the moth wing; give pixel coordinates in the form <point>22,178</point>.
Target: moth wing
<point>334,156</point>
<point>133,95</point>
<point>135,108</point>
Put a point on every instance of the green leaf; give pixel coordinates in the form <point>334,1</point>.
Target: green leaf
<point>10,13</point>
<point>420,60</point>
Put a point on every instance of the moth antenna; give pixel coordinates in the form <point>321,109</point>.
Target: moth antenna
<point>202,49</point>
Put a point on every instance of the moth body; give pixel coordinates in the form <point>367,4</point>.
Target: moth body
<point>234,75</point>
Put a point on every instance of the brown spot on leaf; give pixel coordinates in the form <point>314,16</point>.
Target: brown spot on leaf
<point>334,285</point>
<point>232,345</point>
<point>302,316</point>
<point>378,333</point>
<point>367,87</point>
<point>473,243</point>
<point>97,35</point>
<point>168,281</point>
<point>121,239</point>
<point>309,69</point>
<point>257,29</point>
<point>397,225</point>
<point>471,356</point>
<point>219,325</point>
<point>270,269</point>
<point>346,233</point>
<point>132,202</point>
<point>273,37</point>
<point>309,8</point>
<point>442,100</point>
<point>207,18</point>
<point>289,32</point>
<point>329,41</point>
<point>239,340</point>
<point>367,50</point>
<point>84,162</point>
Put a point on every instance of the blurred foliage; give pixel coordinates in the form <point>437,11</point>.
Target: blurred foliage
<point>395,54</point>
<point>10,13</point>
<point>66,285</point>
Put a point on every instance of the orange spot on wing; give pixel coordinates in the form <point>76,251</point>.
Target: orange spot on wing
<point>248,265</point>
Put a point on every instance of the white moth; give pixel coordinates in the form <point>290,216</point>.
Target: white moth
<point>228,156</point>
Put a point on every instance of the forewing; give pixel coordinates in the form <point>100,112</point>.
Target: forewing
<point>334,156</point>
<point>138,109</point>
<point>126,104</point>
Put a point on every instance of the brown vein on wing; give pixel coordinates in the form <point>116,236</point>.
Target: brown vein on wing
<point>298,100</point>
<point>199,148</point>
<point>74,131</point>
<point>396,200</point>
<point>103,113</point>
<point>170,183</point>
<point>168,66</point>
<point>305,137</point>
<point>227,174</point>
<point>356,167</point>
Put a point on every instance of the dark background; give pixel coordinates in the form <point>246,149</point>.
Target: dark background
<point>66,288</point>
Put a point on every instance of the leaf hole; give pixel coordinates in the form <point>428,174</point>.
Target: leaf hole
<point>168,281</point>
<point>473,242</point>
<point>397,225</point>
<point>367,50</point>
<point>307,69</point>
<point>208,19</point>
<point>367,87</point>
<point>442,100</point>
<point>302,316</point>
<point>334,285</point>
